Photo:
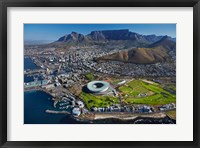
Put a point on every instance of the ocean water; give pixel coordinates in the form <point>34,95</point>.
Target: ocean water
<point>29,64</point>
<point>36,102</point>
<point>28,78</point>
<point>31,78</point>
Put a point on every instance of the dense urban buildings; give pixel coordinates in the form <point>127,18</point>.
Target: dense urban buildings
<point>106,74</point>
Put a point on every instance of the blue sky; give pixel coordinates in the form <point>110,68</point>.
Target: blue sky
<point>55,31</point>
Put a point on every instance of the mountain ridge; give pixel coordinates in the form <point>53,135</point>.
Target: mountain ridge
<point>156,52</point>
<point>108,35</point>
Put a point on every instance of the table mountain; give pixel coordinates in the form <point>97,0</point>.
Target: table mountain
<point>126,38</point>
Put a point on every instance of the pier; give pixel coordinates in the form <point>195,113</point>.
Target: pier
<point>57,112</point>
<point>32,72</point>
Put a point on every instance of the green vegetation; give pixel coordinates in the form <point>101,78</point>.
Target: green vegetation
<point>90,76</point>
<point>157,99</point>
<point>150,94</point>
<point>155,89</point>
<point>133,88</point>
<point>155,94</point>
<point>116,81</point>
<point>98,100</point>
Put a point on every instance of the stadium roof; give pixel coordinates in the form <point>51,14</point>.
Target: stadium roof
<point>98,86</point>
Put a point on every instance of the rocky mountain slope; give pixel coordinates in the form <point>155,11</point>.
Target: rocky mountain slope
<point>156,52</point>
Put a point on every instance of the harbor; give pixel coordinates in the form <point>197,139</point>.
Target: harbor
<point>70,87</point>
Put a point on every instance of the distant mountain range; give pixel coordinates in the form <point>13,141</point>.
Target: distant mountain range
<point>125,37</point>
<point>37,42</point>
<point>133,47</point>
<point>142,49</point>
<point>108,35</point>
<point>122,37</point>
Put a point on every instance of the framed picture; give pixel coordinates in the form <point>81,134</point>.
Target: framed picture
<point>85,73</point>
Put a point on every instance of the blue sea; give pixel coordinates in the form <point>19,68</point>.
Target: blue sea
<point>31,78</point>
<point>29,64</point>
<point>36,102</point>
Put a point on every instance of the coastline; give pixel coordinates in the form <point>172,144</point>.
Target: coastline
<point>37,89</point>
<point>124,116</point>
<point>128,116</point>
<point>120,116</point>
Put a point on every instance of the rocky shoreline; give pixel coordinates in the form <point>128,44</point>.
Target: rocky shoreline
<point>128,116</point>
<point>120,115</point>
<point>123,116</point>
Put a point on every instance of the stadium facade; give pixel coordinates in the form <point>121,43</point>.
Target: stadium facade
<point>100,87</point>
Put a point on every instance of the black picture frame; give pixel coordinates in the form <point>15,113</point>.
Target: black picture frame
<point>4,4</point>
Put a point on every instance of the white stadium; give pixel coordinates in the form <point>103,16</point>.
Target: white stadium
<point>100,87</point>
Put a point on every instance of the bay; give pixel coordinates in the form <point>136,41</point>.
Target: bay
<point>29,64</point>
<point>35,104</point>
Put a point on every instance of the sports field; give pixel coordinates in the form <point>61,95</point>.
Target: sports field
<point>133,89</point>
<point>140,92</point>
<point>133,92</point>
<point>98,100</point>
